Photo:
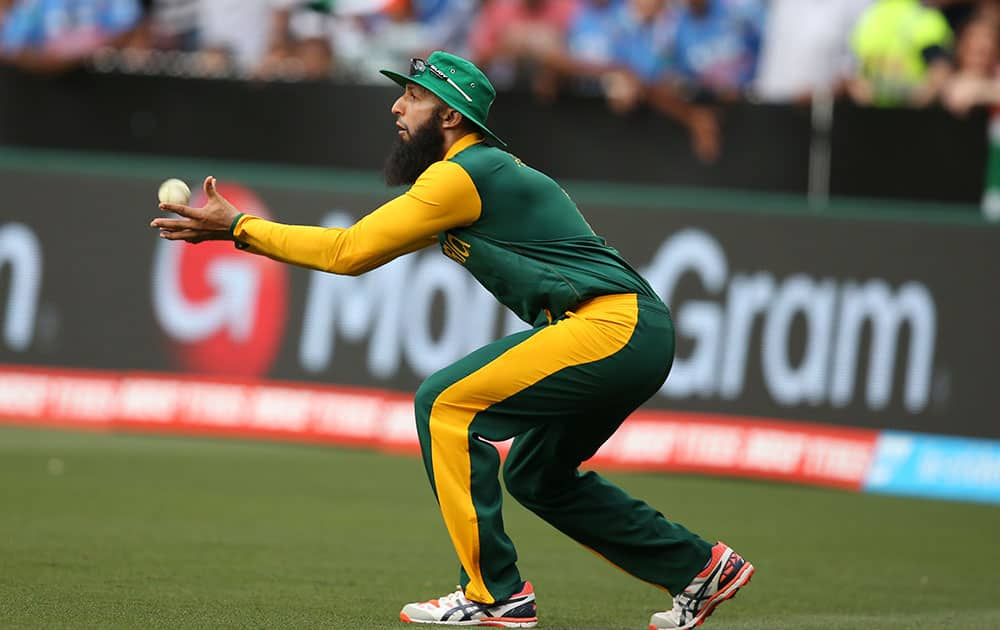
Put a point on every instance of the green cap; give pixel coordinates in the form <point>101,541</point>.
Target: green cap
<point>457,82</point>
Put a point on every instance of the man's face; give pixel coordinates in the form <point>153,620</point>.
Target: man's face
<point>413,109</point>
<point>421,137</point>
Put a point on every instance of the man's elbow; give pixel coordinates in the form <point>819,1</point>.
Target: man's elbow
<point>352,271</point>
<point>348,266</point>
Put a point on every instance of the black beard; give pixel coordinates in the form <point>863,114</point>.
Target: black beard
<point>409,158</point>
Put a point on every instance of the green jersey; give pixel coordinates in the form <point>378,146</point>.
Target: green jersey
<point>531,248</point>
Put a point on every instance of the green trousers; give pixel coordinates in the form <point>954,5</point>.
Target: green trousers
<point>560,391</point>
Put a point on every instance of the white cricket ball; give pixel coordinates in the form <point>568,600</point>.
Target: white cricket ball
<point>174,191</point>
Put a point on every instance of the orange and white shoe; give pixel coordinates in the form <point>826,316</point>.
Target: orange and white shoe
<point>517,611</point>
<point>725,574</point>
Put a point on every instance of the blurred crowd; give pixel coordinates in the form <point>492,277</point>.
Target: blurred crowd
<point>679,57</point>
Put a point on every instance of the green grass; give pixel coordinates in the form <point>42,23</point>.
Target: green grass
<point>151,532</point>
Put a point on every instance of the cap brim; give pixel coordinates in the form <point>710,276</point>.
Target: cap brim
<point>401,79</point>
<point>435,88</point>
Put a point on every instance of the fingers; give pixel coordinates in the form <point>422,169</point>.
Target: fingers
<point>202,223</point>
<point>193,236</point>
<point>184,211</point>
<point>213,193</point>
<point>172,224</point>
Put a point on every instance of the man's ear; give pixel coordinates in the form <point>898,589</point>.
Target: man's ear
<point>451,118</point>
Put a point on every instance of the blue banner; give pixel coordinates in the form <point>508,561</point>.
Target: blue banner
<point>935,466</point>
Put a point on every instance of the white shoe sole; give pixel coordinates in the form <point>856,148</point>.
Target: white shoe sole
<point>498,622</point>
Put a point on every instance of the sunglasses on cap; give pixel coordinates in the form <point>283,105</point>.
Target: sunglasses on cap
<point>419,66</point>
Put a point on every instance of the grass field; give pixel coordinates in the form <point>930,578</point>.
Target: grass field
<point>125,531</point>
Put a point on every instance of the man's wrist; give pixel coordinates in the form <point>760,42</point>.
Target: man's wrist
<point>232,226</point>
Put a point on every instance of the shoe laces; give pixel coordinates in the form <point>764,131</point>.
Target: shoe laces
<point>684,604</point>
<point>451,600</point>
<point>688,602</point>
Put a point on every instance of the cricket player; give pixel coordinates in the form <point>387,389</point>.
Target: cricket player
<point>601,343</point>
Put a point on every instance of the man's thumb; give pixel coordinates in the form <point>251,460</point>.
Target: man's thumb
<point>210,187</point>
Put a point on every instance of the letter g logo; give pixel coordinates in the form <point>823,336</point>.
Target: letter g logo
<point>223,311</point>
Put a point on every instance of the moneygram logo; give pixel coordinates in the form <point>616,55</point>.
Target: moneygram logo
<point>223,311</point>
<point>838,316</point>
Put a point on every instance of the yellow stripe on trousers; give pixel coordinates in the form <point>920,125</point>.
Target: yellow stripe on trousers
<point>596,330</point>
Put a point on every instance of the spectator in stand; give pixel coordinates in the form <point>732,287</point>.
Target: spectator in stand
<point>650,50</point>
<point>806,48</point>
<point>712,58</point>
<point>57,35</point>
<point>233,35</point>
<point>643,38</point>
<point>437,24</point>
<point>902,49</point>
<point>615,48</point>
<point>975,81</point>
<point>588,50</point>
<point>620,51</point>
<point>591,43</point>
<point>398,30</point>
<point>511,39</point>
<point>175,25</point>
<point>716,48</point>
<point>298,44</point>
<point>267,39</point>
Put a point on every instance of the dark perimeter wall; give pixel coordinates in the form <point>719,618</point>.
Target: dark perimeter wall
<point>921,155</point>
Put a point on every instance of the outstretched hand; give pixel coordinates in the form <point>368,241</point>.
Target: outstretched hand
<point>208,223</point>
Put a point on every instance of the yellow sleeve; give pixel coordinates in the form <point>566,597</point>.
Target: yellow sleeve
<point>443,197</point>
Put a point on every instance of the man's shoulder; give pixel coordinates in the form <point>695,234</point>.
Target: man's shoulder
<point>479,156</point>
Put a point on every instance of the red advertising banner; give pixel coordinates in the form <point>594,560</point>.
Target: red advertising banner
<point>651,440</point>
<point>740,446</point>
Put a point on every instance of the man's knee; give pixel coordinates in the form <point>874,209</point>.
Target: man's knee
<point>429,394</point>
<point>423,401</point>
<point>522,480</point>
<point>538,480</point>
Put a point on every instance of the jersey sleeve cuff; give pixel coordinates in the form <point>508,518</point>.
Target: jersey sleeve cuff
<point>232,226</point>
<point>236,226</point>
